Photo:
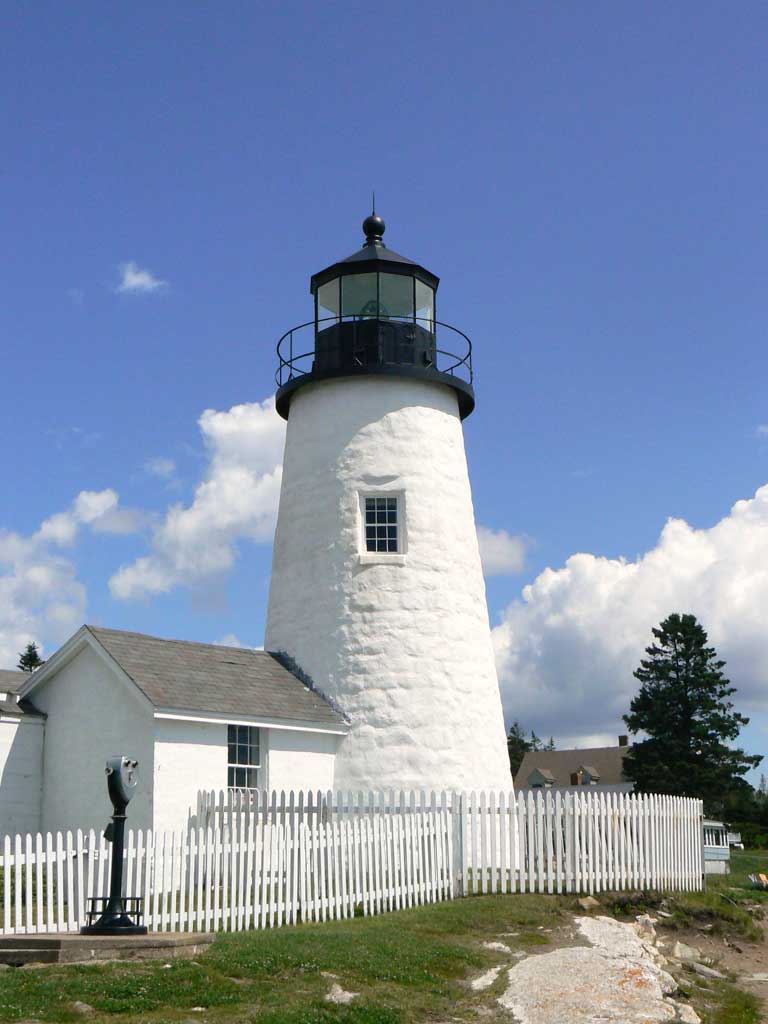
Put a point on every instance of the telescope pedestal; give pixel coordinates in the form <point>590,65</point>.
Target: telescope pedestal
<point>121,926</point>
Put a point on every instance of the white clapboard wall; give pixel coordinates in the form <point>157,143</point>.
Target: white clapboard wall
<point>262,860</point>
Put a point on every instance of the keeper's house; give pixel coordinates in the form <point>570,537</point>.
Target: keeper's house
<point>197,717</point>
<point>601,768</point>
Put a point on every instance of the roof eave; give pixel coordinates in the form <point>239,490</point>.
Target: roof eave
<point>339,728</point>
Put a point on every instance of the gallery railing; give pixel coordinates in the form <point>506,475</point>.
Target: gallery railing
<point>420,335</point>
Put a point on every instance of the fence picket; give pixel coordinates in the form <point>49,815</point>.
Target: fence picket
<point>549,822</point>
<point>294,817</point>
<point>7,925</point>
<point>39,919</point>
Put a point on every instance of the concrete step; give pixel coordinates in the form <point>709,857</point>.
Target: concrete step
<point>28,955</point>
<point>70,947</point>
<point>31,941</point>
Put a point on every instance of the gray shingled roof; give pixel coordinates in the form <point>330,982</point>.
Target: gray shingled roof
<point>11,680</point>
<point>207,678</point>
<point>607,761</point>
<point>10,683</point>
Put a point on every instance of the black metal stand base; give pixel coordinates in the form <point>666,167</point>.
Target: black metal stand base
<point>112,929</point>
<point>113,921</point>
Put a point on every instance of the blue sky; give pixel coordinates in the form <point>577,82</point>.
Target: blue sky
<point>590,183</point>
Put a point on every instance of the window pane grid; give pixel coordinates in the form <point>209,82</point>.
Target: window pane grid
<point>243,756</point>
<point>381,524</point>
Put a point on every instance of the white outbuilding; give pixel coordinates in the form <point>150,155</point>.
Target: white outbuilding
<point>198,717</point>
<point>21,757</point>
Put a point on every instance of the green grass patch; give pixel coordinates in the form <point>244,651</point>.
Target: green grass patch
<point>745,863</point>
<point>721,1002</point>
<point>735,1007</point>
<point>408,967</point>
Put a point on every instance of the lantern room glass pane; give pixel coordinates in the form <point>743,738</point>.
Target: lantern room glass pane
<point>396,296</point>
<point>358,295</point>
<point>425,306</point>
<point>328,300</point>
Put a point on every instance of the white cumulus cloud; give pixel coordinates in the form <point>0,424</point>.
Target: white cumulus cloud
<point>502,553</point>
<point>100,510</point>
<point>566,651</point>
<point>236,500</point>
<point>232,640</point>
<point>136,280</point>
<point>41,598</point>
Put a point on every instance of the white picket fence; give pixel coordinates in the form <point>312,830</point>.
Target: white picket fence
<point>266,860</point>
<point>580,842</point>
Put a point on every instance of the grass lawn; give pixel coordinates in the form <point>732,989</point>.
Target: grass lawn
<point>408,967</point>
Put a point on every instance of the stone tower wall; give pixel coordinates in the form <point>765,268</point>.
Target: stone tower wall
<point>402,645</point>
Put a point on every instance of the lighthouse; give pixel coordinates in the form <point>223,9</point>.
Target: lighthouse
<point>377,594</point>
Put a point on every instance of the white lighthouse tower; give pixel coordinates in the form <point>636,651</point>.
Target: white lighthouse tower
<point>377,592</point>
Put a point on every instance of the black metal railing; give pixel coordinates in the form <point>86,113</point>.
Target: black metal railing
<point>297,360</point>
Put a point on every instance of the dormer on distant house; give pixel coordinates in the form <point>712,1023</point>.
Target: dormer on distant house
<point>598,767</point>
<point>590,776</point>
<point>541,778</point>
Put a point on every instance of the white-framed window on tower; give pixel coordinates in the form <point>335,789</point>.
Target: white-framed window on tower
<point>243,756</point>
<point>382,526</point>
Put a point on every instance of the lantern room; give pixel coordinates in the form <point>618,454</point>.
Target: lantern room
<point>374,314</point>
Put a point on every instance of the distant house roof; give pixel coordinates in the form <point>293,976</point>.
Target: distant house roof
<point>544,773</point>
<point>605,763</point>
<point>10,683</point>
<point>184,676</point>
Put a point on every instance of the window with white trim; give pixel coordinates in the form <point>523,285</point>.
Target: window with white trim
<point>382,526</point>
<point>243,756</point>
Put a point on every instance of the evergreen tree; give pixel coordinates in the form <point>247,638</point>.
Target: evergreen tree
<point>30,659</point>
<point>517,747</point>
<point>684,709</point>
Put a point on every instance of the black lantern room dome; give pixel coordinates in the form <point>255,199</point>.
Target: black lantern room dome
<point>374,315</point>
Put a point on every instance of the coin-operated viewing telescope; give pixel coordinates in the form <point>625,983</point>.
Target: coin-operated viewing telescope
<point>122,778</point>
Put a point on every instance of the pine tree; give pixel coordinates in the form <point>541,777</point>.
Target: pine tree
<point>30,659</point>
<point>517,747</point>
<point>684,709</point>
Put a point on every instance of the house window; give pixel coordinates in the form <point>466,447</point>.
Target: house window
<point>381,524</point>
<point>243,756</point>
